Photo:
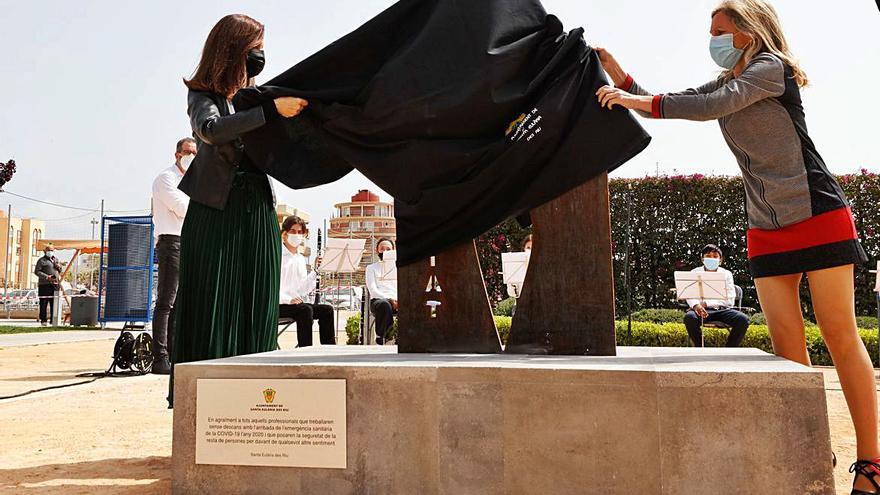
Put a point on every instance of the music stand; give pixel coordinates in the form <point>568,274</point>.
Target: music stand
<point>513,269</point>
<point>342,256</point>
<point>388,266</point>
<point>701,285</point>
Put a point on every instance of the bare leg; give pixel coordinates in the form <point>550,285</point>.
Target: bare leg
<point>780,301</point>
<point>833,299</point>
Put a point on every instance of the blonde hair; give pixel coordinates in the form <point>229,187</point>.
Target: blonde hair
<point>758,19</point>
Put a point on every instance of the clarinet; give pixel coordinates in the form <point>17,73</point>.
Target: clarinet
<point>318,275</point>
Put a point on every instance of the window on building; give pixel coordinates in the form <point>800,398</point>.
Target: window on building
<point>18,243</point>
<point>38,234</point>
<point>368,225</point>
<point>355,225</point>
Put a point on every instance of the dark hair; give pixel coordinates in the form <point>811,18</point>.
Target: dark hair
<point>292,220</point>
<point>712,248</point>
<point>385,239</point>
<point>528,240</point>
<point>222,68</point>
<point>184,140</point>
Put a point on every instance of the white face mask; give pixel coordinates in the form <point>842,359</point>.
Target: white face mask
<point>49,254</point>
<point>295,239</point>
<point>185,161</point>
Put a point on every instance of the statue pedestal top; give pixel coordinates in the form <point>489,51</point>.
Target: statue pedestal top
<point>649,420</point>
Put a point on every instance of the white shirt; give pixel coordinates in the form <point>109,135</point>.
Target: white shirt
<point>169,202</point>
<point>296,280</point>
<point>380,289</point>
<point>717,303</point>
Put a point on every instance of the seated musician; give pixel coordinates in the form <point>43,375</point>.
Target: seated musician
<point>383,293</point>
<point>716,310</point>
<point>296,285</point>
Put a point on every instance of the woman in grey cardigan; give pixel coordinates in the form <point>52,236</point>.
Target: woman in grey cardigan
<point>799,220</point>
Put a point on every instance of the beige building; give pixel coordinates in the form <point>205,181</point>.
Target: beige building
<point>366,216</point>
<point>284,211</point>
<point>20,254</point>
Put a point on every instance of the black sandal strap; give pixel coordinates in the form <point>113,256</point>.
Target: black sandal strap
<point>870,470</point>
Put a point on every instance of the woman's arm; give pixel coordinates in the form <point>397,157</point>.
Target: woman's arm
<point>625,82</point>
<point>213,128</point>
<point>763,78</point>
<point>611,66</point>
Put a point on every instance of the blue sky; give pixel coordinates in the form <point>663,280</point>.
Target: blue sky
<point>91,99</point>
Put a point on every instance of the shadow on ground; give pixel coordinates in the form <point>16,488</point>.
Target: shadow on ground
<point>147,475</point>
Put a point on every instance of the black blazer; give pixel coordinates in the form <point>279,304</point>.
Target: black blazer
<point>217,129</point>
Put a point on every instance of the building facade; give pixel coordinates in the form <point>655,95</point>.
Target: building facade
<point>367,217</point>
<point>284,211</point>
<point>20,255</point>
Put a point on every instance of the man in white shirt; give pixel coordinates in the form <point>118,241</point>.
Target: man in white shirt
<point>169,209</point>
<point>383,293</point>
<point>716,310</point>
<point>297,283</point>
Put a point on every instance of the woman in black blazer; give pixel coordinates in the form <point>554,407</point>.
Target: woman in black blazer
<point>227,299</point>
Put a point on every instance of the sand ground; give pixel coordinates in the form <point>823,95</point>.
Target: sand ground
<point>113,436</point>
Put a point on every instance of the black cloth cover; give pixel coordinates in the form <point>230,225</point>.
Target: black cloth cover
<point>467,112</point>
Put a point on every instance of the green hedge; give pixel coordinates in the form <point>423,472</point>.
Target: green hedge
<point>659,315</point>
<point>677,316</point>
<point>505,307</point>
<point>671,218</point>
<point>353,328</point>
<point>760,319</point>
<point>675,335</point>
<point>646,334</point>
<point>866,321</point>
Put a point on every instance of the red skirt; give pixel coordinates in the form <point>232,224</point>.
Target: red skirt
<point>822,241</point>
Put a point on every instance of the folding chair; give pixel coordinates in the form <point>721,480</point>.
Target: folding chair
<point>739,307</point>
<point>286,322</point>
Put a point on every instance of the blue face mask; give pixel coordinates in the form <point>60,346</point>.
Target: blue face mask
<point>711,264</point>
<point>723,52</point>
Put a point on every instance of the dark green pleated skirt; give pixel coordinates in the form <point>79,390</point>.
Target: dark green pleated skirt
<point>230,270</point>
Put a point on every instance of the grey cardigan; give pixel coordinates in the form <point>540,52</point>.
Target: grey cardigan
<point>762,120</point>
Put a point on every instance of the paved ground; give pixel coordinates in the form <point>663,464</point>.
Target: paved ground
<point>113,436</point>
<point>19,339</point>
<point>34,323</point>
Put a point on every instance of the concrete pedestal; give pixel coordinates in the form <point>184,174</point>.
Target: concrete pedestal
<point>648,421</point>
